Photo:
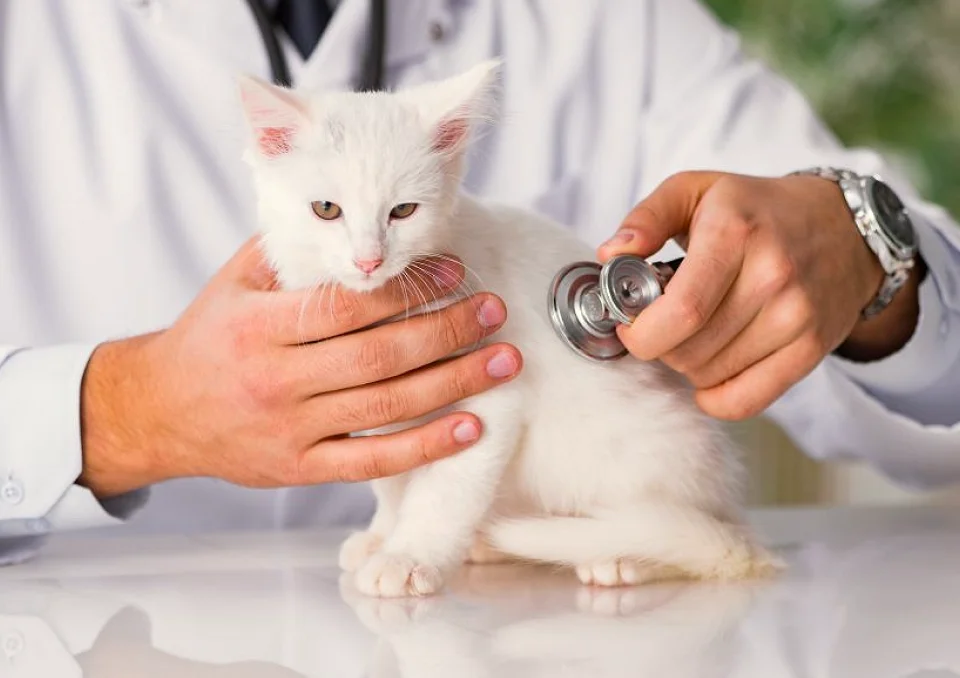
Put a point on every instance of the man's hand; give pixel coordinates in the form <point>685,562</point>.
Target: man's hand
<point>774,280</point>
<point>260,387</point>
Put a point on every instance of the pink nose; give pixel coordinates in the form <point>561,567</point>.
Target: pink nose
<point>368,266</point>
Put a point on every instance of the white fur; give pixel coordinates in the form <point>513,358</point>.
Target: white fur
<point>610,468</point>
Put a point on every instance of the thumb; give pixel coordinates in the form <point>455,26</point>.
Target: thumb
<point>664,214</point>
<point>249,268</point>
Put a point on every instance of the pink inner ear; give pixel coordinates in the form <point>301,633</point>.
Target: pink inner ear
<point>274,141</point>
<point>450,134</point>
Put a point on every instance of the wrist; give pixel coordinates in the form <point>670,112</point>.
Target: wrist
<point>121,442</point>
<point>884,334</point>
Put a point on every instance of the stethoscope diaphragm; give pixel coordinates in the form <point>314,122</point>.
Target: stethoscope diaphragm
<point>588,301</point>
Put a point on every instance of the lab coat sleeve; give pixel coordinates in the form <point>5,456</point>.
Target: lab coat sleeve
<point>711,107</point>
<point>40,450</point>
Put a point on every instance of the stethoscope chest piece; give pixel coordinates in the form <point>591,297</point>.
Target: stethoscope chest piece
<point>579,314</point>
<point>588,301</point>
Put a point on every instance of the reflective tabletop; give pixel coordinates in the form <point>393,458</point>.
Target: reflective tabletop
<point>868,592</point>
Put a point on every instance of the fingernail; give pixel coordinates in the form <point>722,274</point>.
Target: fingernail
<point>446,273</point>
<point>502,365</point>
<point>492,313</point>
<point>466,432</point>
<point>621,238</point>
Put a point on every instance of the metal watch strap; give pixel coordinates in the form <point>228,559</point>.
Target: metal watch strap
<point>894,277</point>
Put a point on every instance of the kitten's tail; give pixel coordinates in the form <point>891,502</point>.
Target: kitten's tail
<point>685,538</point>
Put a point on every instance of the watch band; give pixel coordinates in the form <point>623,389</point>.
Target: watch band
<point>896,271</point>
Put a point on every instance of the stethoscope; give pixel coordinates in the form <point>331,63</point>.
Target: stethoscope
<point>371,77</point>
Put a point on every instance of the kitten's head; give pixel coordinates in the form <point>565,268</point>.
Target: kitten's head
<point>353,186</point>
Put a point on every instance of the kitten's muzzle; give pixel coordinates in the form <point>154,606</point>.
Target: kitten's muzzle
<point>368,266</point>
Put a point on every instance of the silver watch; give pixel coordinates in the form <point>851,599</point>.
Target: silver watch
<point>885,225</point>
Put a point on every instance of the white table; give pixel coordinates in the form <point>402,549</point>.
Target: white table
<point>869,593</point>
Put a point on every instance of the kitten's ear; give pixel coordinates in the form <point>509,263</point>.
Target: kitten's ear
<point>275,115</point>
<point>452,106</point>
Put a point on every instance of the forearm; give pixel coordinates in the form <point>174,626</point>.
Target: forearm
<point>122,446</point>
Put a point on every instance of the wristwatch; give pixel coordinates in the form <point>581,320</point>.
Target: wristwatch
<point>884,223</point>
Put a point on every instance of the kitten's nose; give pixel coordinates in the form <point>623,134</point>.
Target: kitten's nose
<point>368,266</point>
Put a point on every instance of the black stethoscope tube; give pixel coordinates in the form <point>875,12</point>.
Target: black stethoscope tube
<point>371,77</point>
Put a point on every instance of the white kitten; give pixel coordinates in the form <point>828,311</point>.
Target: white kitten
<point>608,468</point>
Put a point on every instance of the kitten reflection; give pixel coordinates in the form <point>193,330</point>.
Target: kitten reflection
<point>124,648</point>
<point>543,625</point>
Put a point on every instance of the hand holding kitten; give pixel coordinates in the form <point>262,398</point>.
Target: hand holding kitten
<point>260,387</point>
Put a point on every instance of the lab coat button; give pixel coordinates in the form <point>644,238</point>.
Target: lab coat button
<point>12,644</point>
<point>436,31</point>
<point>12,492</point>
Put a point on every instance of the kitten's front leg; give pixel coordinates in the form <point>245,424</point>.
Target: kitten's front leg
<point>444,504</point>
<point>359,546</point>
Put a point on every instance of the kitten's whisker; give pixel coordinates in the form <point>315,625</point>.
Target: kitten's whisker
<point>301,331</point>
<point>416,270</point>
<point>467,270</point>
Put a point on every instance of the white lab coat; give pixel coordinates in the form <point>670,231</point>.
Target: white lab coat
<point>122,191</point>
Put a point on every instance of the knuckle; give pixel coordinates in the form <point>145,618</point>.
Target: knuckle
<point>245,334</point>
<point>691,313</point>
<point>378,356</point>
<point>346,309</point>
<point>775,271</point>
<point>388,405</point>
<point>452,332</point>
<point>462,383</point>
<point>680,361</point>
<point>739,407</point>
<point>796,310</point>
<point>371,466</point>
<point>346,414</point>
<point>261,387</point>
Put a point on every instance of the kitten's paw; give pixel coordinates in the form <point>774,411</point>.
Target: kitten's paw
<point>393,575</point>
<point>625,572</point>
<point>357,549</point>
<point>481,553</point>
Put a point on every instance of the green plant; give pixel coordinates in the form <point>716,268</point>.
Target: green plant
<point>882,73</point>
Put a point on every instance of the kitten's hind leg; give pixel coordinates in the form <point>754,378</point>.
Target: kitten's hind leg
<point>359,546</point>
<point>610,545</point>
<point>482,553</point>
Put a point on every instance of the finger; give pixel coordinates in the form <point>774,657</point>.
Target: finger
<point>758,282</point>
<point>760,385</point>
<point>379,456</point>
<point>294,317</point>
<point>664,214</point>
<point>693,295</point>
<point>392,349</point>
<point>777,325</point>
<point>413,395</point>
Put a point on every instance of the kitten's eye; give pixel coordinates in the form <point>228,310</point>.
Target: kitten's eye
<point>403,210</point>
<point>328,211</point>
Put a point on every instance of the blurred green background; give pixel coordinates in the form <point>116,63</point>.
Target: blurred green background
<point>882,73</point>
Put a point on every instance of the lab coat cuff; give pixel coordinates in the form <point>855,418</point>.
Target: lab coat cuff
<point>40,446</point>
<point>929,353</point>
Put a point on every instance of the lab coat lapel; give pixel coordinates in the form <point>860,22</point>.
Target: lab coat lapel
<point>411,33</point>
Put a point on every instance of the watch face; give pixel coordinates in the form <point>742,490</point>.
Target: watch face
<point>892,214</point>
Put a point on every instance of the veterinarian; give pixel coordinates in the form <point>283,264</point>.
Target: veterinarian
<point>150,375</point>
